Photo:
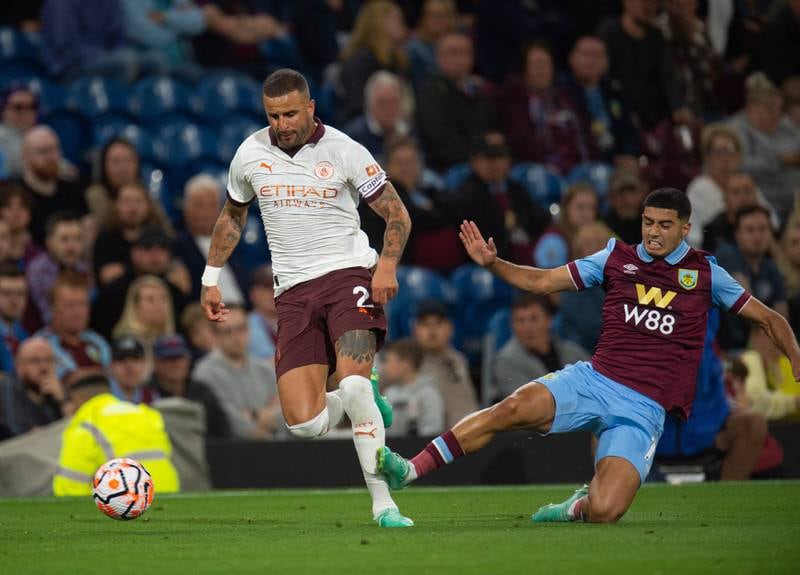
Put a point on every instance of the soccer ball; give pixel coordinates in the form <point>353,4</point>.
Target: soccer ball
<point>122,489</point>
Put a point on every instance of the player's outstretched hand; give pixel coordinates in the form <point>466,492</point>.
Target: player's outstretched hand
<point>211,302</point>
<point>384,285</point>
<point>482,252</point>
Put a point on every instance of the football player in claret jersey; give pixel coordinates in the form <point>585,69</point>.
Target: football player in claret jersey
<point>658,295</point>
<point>330,285</point>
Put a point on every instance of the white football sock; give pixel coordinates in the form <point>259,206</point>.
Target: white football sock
<point>333,402</point>
<point>368,436</point>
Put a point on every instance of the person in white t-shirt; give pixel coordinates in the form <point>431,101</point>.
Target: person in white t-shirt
<point>330,285</point>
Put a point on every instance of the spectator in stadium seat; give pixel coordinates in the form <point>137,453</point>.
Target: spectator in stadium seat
<point>15,210</point>
<point>416,400</point>
<point>603,111</point>
<point>642,63</point>
<point>132,211</point>
<point>442,362</point>
<point>626,192</point>
<point>740,192</point>
<point>13,300</point>
<point>202,202</point>
<point>453,109</point>
<point>579,207</point>
<point>32,395</point>
<point>770,150</point>
<point>770,385</point>
<point>50,192</point>
<point>246,387</point>
<point>388,113</point>
<point>696,64</point>
<point>195,325</point>
<point>376,43</point>
<point>148,311</point>
<point>749,261</point>
<point>151,254</point>
<point>66,251</point>
<point>86,37</point>
<point>779,44</point>
<point>540,118</point>
<point>74,344</point>
<point>581,312</point>
<point>171,367</point>
<point>117,164</point>
<point>19,110</point>
<point>499,205</point>
<point>129,367</point>
<point>434,222</point>
<point>532,352</point>
<point>263,320</point>
<point>439,17</point>
<point>789,265</point>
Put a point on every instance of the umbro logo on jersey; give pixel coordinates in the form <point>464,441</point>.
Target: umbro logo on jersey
<point>266,166</point>
<point>630,269</point>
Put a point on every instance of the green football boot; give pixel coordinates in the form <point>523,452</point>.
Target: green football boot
<point>387,414</point>
<point>393,518</point>
<point>559,512</point>
<point>394,468</point>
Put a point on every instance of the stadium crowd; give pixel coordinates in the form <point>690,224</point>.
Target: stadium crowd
<point>547,123</point>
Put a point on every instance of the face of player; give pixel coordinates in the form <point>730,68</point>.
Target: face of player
<point>131,206</point>
<point>589,61</point>
<point>13,298</point>
<point>291,118</point>
<point>129,372</point>
<point>433,333</point>
<point>538,69</point>
<point>122,165</point>
<point>754,236</point>
<point>531,326</point>
<point>662,231</point>
<point>152,306</point>
<point>70,310</point>
<point>65,244</point>
<point>740,192</point>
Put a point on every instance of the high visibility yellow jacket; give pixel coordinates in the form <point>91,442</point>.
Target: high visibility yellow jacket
<point>105,428</point>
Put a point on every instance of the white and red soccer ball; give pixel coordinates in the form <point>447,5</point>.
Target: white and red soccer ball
<point>122,489</point>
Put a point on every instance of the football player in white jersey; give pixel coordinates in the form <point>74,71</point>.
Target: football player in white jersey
<point>330,285</point>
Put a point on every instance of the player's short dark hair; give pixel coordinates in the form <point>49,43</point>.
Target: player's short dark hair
<point>406,349</point>
<point>285,81</point>
<point>60,218</point>
<point>669,199</point>
<point>749,211</point>
<point>528,299</point>
<point>10,271</point>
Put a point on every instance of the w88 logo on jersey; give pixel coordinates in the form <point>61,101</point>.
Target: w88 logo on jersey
<point>651,319</point>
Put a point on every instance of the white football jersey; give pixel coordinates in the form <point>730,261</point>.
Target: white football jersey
<point>308,201</point>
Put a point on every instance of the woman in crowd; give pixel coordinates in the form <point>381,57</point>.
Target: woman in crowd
<point>148,310</point>
<point>15,209</point>
<point>118,165</point>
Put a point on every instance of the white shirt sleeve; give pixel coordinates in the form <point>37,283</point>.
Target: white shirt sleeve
<point>239,189</point>
<point>363,172</point>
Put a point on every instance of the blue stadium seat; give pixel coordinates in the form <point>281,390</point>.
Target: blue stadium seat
<point>149,149</point>
<point>51,96</point>
<point>595,173</point>
<point>157,181</point>
<point>234,130</point>
<point>416,285</point>
<point>15,46</point>
<point>325,98</point>
<point>95,96</point>
<point>74,133</point>
<point>183,148</point>
<point>252,249</point>
<point>456,175</point>
<point>223,94</point>
<point>544,186</point>
<point>157,97</point>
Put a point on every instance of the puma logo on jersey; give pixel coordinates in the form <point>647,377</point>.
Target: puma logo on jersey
<point>654,294</point>
<point>266,166</point>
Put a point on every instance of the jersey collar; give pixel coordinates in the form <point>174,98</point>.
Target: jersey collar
<point>672,259</point>
<point>315,137</point>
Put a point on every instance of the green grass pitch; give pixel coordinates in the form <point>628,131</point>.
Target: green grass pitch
<point>711,528</point>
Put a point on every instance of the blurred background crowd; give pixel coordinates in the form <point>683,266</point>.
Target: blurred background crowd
<point>546,122</point>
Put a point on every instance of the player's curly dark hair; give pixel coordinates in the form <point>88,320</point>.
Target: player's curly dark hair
<point>669,199</point>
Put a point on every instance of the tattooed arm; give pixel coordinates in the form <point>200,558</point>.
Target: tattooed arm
<point>227,232</point>
<point>390,207</point>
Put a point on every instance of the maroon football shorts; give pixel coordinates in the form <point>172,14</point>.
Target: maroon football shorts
<point>312,315</point>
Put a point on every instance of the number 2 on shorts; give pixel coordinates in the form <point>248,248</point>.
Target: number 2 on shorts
<point>362,301</point>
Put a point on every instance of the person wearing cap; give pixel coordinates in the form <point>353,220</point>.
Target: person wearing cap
<point>441,362</point>
<point>263,319</point>
<point>104,427</point>
<point>626,192</point>
<point>171,366</point>
<point>129,370</point>
<point>151,254</point>
<point>501,206</point>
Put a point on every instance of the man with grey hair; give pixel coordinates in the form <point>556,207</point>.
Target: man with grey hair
<point>387,113</point>
<point>202,202</point>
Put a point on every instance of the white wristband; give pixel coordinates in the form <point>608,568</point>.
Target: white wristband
<point>210,276</point>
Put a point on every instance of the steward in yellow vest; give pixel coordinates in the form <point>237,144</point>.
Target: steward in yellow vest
<point>104,428</point>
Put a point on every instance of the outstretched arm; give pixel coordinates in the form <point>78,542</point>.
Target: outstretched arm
<point>390,207</point>
<point>227,232</point>
<point>527,278</point>
<point>777,328</point>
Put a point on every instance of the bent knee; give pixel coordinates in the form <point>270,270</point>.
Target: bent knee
<point>508,410</point>
<point>316,426</point>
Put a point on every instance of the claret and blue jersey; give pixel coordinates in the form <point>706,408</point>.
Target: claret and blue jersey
<point>654,316</point>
